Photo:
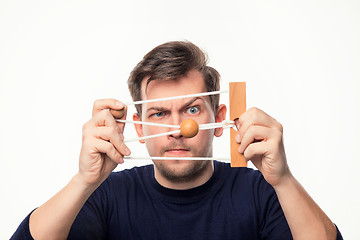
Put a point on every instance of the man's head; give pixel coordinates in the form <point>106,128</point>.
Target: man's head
<point>170,61</point>
<point>173,69</point>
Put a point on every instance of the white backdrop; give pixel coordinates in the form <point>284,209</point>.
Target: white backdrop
<point>301,62</point>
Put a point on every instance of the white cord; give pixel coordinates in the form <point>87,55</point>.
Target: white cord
<point>223,124</point>
<point>151,136</point>
<point>178,158</point>
<point>177,97</point>
<point>148,123</point>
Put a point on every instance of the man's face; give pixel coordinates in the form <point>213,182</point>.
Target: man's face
<point>174,112</point>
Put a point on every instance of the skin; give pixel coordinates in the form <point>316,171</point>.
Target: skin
<point>261,141</point>
<point>179,174</point>
<point>103,148</point>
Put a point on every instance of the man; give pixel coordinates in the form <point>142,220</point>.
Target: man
<point>177,199</point>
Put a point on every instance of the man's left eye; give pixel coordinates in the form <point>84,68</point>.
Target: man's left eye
<point>192,110</point>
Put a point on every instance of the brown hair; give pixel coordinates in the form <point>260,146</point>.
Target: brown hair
<point>170,61</point>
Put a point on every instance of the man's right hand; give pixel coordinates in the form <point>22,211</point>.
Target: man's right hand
<point>102,150</point>
<point>103,145</point>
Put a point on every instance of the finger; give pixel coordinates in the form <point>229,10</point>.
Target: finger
<point>114,136</point>
<point>102,104</point>
<point>255,152</point>
<point>108,149</point>
<point>117,109</point>
<point>106,128</point>
<point>104,118</point>
<point>253,134</point>
<point>255,116</point>
<point>121,115</point>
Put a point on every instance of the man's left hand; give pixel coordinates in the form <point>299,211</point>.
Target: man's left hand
<point>261,141</point>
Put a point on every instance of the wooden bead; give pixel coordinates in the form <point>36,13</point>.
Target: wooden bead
<point>189,128</point>
<point>117,113</point>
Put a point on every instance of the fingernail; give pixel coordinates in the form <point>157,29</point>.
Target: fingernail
<point>120,104</point>
<point>237,124</point>
<point>127,151</point>
<point>241,150</point>
<point>237,139</point>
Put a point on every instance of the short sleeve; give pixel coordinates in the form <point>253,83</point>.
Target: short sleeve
<point>273,221</point>
<point>23,231</point>
<point>338,234</point>
<point>90,223</point>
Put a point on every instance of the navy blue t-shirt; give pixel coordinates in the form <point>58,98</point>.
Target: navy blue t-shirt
<point>236,203</point>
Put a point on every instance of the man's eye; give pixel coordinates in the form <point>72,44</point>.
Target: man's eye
<point>158,114</point>
<point>193,110</point>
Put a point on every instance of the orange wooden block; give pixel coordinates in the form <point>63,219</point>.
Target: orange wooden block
<point>237,105</point>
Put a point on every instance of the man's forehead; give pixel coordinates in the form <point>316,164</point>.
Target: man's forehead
<point>183,102</point>
<point>190,83</point>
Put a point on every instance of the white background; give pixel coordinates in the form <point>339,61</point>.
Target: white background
<point>301,62</point>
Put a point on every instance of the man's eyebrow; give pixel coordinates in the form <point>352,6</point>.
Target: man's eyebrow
<point>192,101</point>
<point>160,109</point>
<point>163,109</point>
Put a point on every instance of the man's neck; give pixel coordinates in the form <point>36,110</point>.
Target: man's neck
<point>184,185</point>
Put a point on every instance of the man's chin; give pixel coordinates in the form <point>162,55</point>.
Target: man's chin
<point>180,170</point>
<point>175,164</point>
<point>177,159</point>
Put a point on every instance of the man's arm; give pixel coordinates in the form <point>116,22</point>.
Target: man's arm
<point>55,217</point>
<point>305,218</point>
<point>261,141</point>
<point>102,150</point>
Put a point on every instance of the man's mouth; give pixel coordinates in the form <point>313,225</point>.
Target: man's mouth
<point>177,152</point>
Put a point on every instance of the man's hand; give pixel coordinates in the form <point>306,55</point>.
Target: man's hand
<point>261,141</point>
<point>102,150</point>
<point>103,145</point>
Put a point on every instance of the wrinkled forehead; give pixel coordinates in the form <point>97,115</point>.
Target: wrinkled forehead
<point>190,84</point>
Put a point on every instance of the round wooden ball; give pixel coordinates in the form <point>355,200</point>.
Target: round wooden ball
<point>189,128</point>
<point>117,114</point>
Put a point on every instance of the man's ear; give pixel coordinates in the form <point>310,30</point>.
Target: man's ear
<point>219,117</point>
<point>138,127</point>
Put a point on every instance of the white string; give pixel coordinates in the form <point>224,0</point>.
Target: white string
<point>151,136</point>
<point>177,97</point>
<point>177,158</point>
<point>223,124</point>
<point>148,123</point>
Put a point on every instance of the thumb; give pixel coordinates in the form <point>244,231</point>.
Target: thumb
<point>117,109</point>
<point>120,114</point>
<point>111,104</point>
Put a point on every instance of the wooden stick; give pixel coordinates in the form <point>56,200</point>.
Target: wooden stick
<point>237,105</point>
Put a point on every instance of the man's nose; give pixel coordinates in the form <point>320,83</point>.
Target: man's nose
<point>176,120</point>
